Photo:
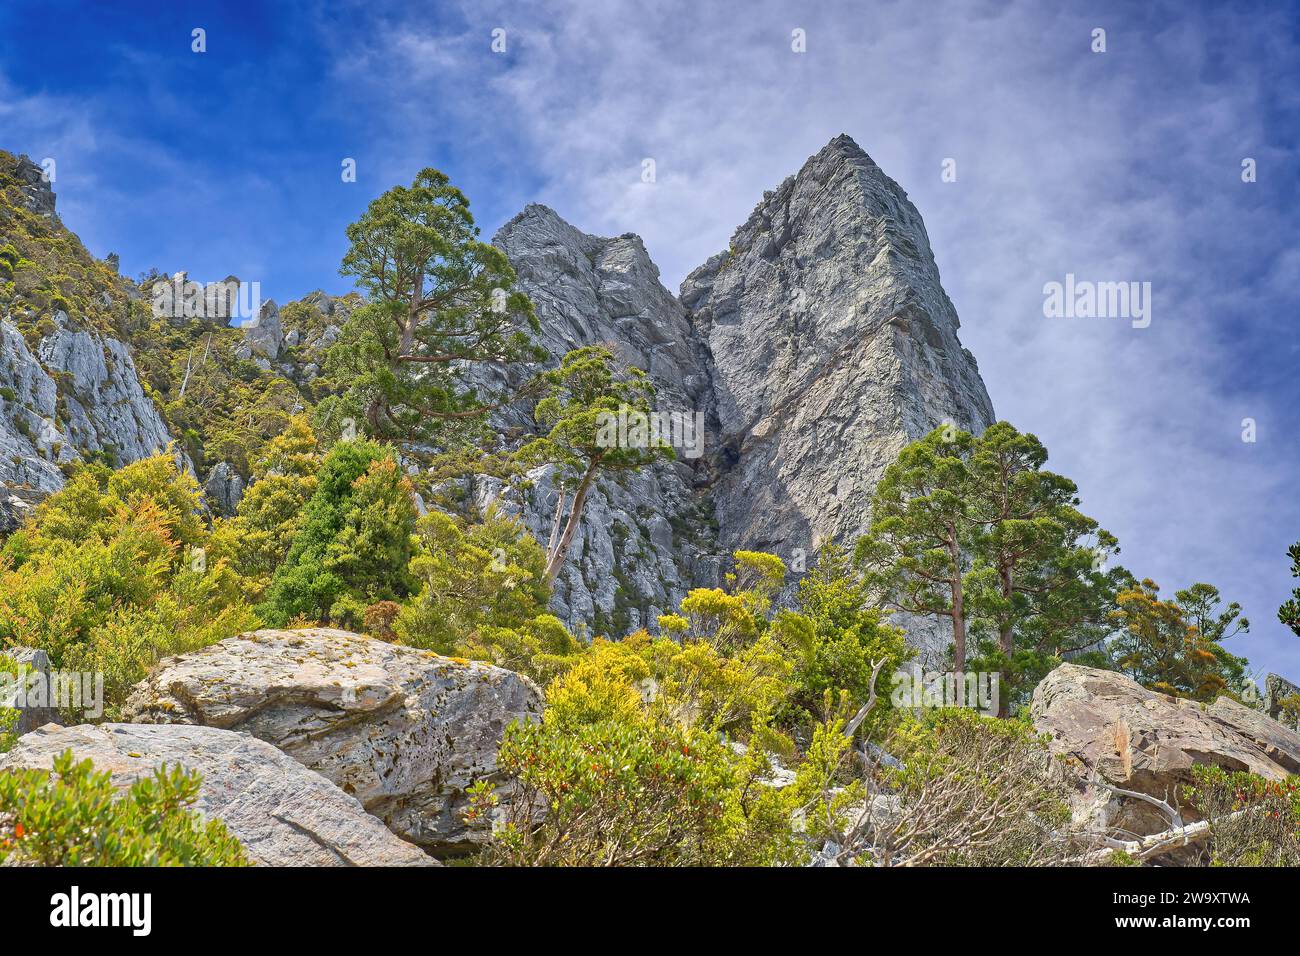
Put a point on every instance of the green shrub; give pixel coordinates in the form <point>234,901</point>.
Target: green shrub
<point>1253,821</point>
<point>110,575</point>
<point>75,817</point>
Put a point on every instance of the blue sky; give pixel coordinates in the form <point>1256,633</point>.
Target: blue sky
<point>1119,166</point>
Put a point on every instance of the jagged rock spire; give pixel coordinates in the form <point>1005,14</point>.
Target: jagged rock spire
<point>833,345</point>
<point>816,346</point>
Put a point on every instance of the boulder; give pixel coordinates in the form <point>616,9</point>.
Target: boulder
<point>264,335</point>
<point>283,813</point>
<point>224,489</point>
<point>1110,727</point>
<point>16,506</point>
<point>31,683</point>
<point>405,731</point>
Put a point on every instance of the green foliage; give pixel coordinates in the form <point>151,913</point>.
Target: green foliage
<point>75,817</point>
<point>1253,821</point>
<point>110,575</point>
<point>1037,591</point>
<point>354,544</point>
<point>915,553</point>
<point>258,538</point>
<point>439,301</point>
<point>1289,612</point>
<point>583,396</point>
<point>44,268</point>
<point>973,791</point>
<point>625,783</point>
<point>974,530</point>
<point>849,637</point>
<point>8,715</point>
<point>1173,646</point>
<point>483,596</point>
<point>616,794</point>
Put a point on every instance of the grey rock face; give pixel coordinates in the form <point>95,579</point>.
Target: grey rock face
<point>283,813</point>
<point>224,489</point>
<point>38,194</point>
<point>815,349</point>
<point>31,445</point>
<point>31,685</point>
<point>1276,690</point>
<point>106,410</point>
<point>102,409</point>
<point>16,505</point>
<point>833,346</point>
<point>405,731</point>
<point>645,538</point>
<point>264,335</point>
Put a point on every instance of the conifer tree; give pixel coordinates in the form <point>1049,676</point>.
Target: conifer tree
<point>354,545</point>
<point>915,554</point>
<point>441,304</point>
<point>585,399</point>
<point>1289,613</point>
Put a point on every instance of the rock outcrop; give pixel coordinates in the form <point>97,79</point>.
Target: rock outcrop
<point>1278,691</point>
<point>812,350</point>
<point>283,813</point>
<point>265,334</point>
<point>77,395</point>
<point>105,407</point>
<point>37,192</point>
<point>30,689</point>
<point>650,529</point>
<point>1112,728</point>
<point>16,506</point>
<point>223,489</point>
<point>28,405</point>
<point>833,345</point>
<point>405,731</point>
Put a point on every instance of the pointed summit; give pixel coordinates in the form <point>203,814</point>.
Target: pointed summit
<point>833,344</point>
<point>812,350</point>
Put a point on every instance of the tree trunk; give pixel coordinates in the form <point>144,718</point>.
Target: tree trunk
<point>556,558</point>
<point>407,345</point>
<point>1005,641</point>
<point>958,612</point>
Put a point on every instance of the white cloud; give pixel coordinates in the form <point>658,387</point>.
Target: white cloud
<point>1115,166</point>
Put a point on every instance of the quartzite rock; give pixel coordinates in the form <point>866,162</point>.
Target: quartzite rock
<point>1137,739</point>
<point>283,813</point>
<point>405,731</point>
<point>812,350</point>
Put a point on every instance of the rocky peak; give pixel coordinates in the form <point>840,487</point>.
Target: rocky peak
<point>816,347</point>
<point>38,195</point>
<point>833,345</point>
<point>651,529</point>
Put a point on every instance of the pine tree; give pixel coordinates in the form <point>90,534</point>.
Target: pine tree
<point>586,397</point>
<point>1037,587</point>
<point>441,303</point>
<point>1289,613</point>
<point>915,553</point>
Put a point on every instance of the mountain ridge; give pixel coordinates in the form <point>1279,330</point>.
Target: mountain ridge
<point>814,348</point>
